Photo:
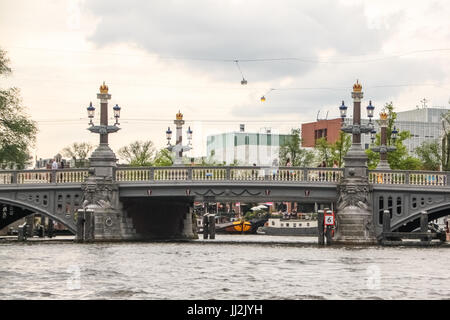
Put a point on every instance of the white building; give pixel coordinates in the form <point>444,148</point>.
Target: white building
<point>245,148</point>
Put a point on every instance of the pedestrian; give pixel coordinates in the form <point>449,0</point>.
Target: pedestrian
<point>288,164</point>
<point>54,165</point>
<point>61,165</point>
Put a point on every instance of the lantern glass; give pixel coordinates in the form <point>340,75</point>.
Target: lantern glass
<point>116,109</point>
<point>370,109</point>
<point>343,110</point>
<point>169,134</point>
<point>394,134</point>
<point>91,111</point>
<point>372,135</point>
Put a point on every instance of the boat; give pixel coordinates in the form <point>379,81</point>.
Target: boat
<point>235,227</point>
<point>289,227</point>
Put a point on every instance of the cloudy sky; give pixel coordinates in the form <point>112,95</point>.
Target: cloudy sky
<point>161,56</point>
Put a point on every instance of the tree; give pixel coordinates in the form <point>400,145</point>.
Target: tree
<point>78,152</point>
<point>138,153</point>
<point>291,149</point>
<point>331,152</point>
<point>398,159</point>
<point>163,158</point>
<point>17,131</point>
<point>430,155</point>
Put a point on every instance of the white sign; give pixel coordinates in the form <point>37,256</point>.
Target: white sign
<point>329,220</point>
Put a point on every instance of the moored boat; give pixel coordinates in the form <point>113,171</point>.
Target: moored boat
<point>289,227</point>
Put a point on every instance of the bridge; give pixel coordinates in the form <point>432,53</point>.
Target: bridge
<point>158,195</point>
<point>107,202</point>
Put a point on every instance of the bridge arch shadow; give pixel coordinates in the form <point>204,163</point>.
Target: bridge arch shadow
<point>17,210</point>
<point>412,222</point>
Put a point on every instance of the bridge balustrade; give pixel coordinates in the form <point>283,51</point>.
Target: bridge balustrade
<point>421,178</point>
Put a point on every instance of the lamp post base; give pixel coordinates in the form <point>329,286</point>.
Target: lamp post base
<point>354,226</point>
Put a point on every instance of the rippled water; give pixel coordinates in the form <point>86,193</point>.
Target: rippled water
<point>215,270</point>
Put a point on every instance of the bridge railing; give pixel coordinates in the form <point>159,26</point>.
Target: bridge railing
<point>418,178</point>
<point>43,176</point>
<point>229,174</point>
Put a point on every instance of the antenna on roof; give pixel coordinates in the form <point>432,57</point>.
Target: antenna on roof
<point>326,117</point>
<point>317,118</point>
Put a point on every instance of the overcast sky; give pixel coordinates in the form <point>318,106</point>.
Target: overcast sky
<point>161,56</point>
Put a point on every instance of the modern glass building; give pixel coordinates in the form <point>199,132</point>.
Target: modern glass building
<point>245,148</point>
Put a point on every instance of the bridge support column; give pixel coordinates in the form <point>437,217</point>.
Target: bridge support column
<point>188,225</point>
<point>354,215</point>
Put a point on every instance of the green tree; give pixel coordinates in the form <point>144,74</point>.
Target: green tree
<point>138,153</point>
<point>398,159</point>
<point>17,131</point>
<point>331,152</point>
<point>430,155</point>
<point>163,158</point>
<point>291,149</point>
<point>78,152</point>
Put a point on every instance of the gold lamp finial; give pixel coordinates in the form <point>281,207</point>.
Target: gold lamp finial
<point>179,115</point>
<point>357,87</point>
<point>103,88</point>
<point>383,116</point>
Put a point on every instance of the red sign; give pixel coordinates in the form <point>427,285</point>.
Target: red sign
<point>329,218</point>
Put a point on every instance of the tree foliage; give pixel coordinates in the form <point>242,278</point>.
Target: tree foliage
<point>398,159</point>
<point>331,152</point>
<point>291,149</point>
<point>430,155</point>
<point>163,158</point>
<point>445,143</point>
<point>78,151</point>
<point>17,131</point>
<point>138,153</point>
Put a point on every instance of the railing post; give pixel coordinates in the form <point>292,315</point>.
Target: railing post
<point>189,177</point>
<point>14,177</point>
<point>305,174</point>
<point>386,222</point>
<point>228,174</point>
<point>320,224</point>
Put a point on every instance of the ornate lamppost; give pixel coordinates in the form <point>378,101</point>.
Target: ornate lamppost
<point>178,148</point>
<point>383,149</point>
<point>354,216</point>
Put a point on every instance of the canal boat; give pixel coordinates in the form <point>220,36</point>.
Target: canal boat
<point>289,227</point>
<point>234,227</point>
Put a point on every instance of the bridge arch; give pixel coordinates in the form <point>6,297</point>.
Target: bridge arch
<point>24,209</point>
<point>412,222</point>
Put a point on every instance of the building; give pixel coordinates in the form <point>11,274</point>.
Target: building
<point>245,148</point>
<point>424,125</point>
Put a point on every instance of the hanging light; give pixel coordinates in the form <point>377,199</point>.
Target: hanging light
<point>394,134</point>
<point>168,135</point>
<point>243,81</point>
<point>116,109</point>
<point>343,110</point>
<point>370,109</point>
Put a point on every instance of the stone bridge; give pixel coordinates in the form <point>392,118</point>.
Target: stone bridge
<point>156,191</point>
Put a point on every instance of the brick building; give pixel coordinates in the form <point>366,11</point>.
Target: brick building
<point>328,129</point>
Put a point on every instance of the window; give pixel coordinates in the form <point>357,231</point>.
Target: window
<point>414,202</point>
<point>399,205</point>
<point>294,225</point>
<point>287,224</point>
<point>273,223</point>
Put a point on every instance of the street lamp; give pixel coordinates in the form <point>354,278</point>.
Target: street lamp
<point>383,149</point>
<point>179,148</point>
<point>357,128</point>
<point>103,129</point>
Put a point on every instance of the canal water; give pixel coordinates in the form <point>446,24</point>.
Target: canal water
<point>230,267</point>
